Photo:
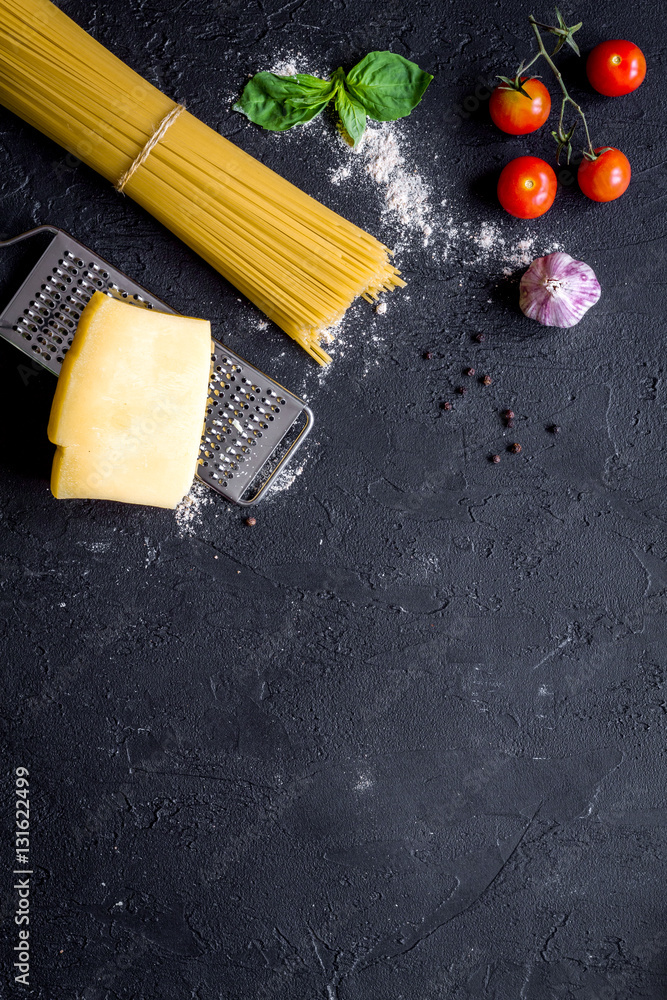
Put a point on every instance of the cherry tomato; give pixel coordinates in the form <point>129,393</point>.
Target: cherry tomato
<point>517,114</point>
<point>527,187</point>
<point>615,68</point>
<point>607,177</point>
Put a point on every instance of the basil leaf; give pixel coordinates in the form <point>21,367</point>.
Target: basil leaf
<point>387,85</point>
<point>278,103</point>
<point>352,116</point>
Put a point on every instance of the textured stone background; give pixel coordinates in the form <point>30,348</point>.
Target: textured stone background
<point>405,738</point>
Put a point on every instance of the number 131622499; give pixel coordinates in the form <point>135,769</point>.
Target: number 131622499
<point>22,816</point>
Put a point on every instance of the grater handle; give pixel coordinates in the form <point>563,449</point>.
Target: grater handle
<point>31,232</point>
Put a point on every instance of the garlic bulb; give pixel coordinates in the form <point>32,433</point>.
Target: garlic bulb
<point>557,290</point>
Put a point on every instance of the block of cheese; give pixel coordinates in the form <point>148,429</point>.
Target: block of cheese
<point>130,403</point>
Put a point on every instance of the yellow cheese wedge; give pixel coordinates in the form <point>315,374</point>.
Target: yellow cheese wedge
<point>130,403</point>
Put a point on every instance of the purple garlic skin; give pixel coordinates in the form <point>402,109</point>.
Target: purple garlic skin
<point>557,290</point>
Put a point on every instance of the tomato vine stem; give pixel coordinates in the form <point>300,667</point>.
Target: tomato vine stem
<point>564,36</point>
<point>562,137</point>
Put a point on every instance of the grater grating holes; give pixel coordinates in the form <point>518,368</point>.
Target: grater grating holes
<point>50,321</point>
<point>234,427</point>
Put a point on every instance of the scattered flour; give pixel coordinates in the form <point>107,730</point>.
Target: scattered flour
<point>335,343</point>
<point>364,782</point>
<point>491,245</point>
<point>284,479</point>
<point>152,552</point>
<point>486,237</point>
<point>383,157</point>
<point>189,511</point>
<point>368,348</point>
<point>286,66</point>
<point>341,173</point>
<point>95,547</point>
<point>289,63</point>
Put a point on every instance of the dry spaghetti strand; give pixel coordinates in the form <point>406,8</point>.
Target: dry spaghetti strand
<point>300,263</point>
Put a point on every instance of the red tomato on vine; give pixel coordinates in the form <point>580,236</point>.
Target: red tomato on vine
<point>616,67</point>
<point>517,114</point>
<point>527,187</point>
<point>606,177</point>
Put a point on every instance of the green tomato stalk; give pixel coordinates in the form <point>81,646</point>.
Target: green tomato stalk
<point>564,36</point>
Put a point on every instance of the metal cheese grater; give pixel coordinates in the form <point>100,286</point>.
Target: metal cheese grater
<point>253,425</point>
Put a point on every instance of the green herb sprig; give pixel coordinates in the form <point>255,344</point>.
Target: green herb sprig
<point>383,86</point>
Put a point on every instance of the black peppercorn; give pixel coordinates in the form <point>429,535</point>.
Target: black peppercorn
<point>515,448</point>
<point>508,414</point>
<point>479,337</point>
<point>555,429</point>
<point>461,390</point>
<point>446,406</point>
<point>428,355</point>
<point>509,423</point>
<point>495,459</point>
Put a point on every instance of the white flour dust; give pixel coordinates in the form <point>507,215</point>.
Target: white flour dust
<point>284,479</point>
<point>189,511</point>
<point>341,173</point>
<point>382,155</point>
<point>388,157</point>
<point>289,63</point>
<point>490,245</point>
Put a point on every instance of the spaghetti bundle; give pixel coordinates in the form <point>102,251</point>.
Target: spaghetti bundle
<point>299,262</point>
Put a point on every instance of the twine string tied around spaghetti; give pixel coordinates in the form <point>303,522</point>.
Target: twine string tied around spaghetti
<point>152,142</point>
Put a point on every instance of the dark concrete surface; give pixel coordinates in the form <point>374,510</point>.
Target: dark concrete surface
<point>405,738</point>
